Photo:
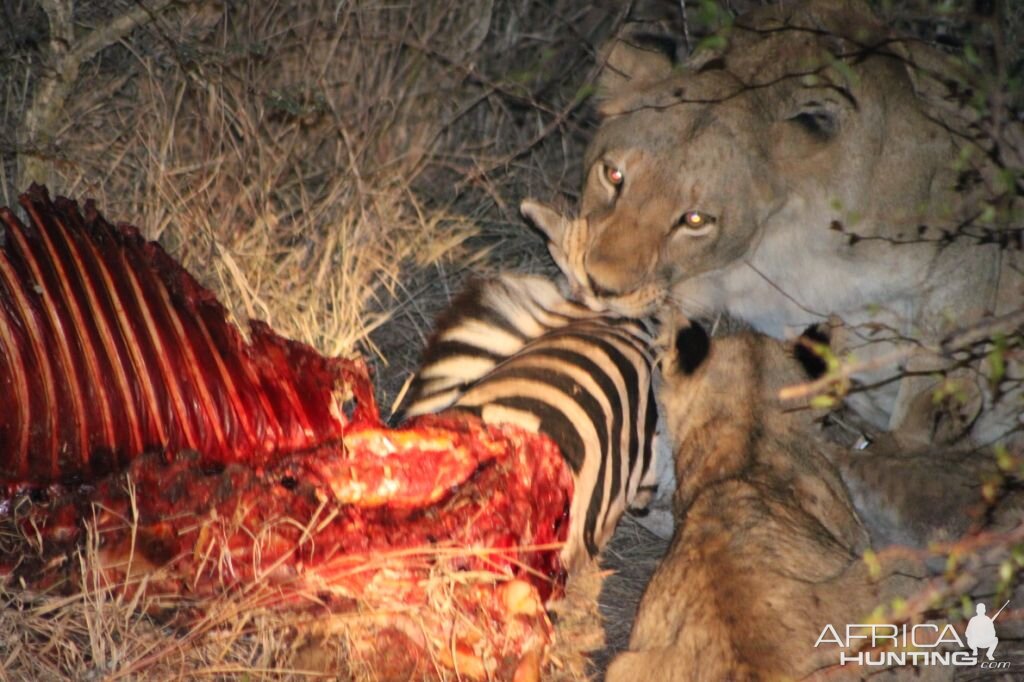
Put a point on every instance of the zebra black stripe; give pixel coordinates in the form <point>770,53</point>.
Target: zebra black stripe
<point>581,377</point>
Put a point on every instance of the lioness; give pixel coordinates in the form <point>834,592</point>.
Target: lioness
<point>793,174</point>
<point>767,547</point>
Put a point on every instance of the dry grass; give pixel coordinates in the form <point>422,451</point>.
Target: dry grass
<point>124,619</point>
<point>102,632</point>
<point>334,168</point>
<point>99,634</point>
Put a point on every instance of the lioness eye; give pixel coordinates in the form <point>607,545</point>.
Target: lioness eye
<point>696,221</point>
<point>614,175</point>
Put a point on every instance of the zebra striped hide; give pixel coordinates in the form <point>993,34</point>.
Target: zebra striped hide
<point>514,350</point>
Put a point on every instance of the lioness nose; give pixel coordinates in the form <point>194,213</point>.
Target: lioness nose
<point>614,276</point>
<point>597,289</point>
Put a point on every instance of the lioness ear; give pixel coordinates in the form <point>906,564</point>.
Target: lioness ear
<point>546,219</point>
<point>629,63</point>
<point>931,74</point>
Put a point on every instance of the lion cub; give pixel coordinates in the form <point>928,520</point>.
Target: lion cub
<point>767,547</point>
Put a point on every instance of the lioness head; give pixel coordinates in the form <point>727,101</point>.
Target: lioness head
<point>806,118</point>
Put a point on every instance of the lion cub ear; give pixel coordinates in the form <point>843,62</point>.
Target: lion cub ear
<point>689,347</point>
<point>810,348</point>
<point>692,347</point>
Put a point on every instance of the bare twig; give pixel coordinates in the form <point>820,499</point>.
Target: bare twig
<point>959,340</point>
<point>987,328</point>
<point>64,56</point>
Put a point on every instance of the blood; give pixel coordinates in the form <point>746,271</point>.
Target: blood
<point>131,406</point>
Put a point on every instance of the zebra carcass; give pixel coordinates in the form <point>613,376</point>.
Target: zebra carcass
<point>135,417</point>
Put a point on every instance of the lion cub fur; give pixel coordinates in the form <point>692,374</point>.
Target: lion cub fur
<point>768,547</point>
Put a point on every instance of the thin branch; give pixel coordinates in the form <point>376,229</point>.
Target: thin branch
<point>957,341</point>
<point>686,28</point>
<point>983,330</point>
<point>65,56</point>
<point>103,37</point>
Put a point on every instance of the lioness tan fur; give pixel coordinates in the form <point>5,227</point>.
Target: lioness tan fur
<point>795,173</point>
<point>768,547</point>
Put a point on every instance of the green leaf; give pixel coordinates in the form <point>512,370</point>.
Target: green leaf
<point>715,41</point>
<point>873,564</point>
<point>990,489</point>
<point>1007,179</point>
<point>963,158</point>
<point>952,563</point>
<point>997,361</point>
<point>971,55</point>
<point>1004,460</point>
<point>988,214</point>
<point>713,15</point>
<point>823,402</point>
<point>586,90</point>
<point>845,71</point>
<point>1006,571</point>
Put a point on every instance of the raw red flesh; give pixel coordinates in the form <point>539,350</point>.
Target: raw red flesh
<point>496,497</point>
<point>108,349</point>
<point>365,530</point>
<point>219,466</point>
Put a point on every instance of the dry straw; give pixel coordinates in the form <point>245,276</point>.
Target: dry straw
<point>334,168</point>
